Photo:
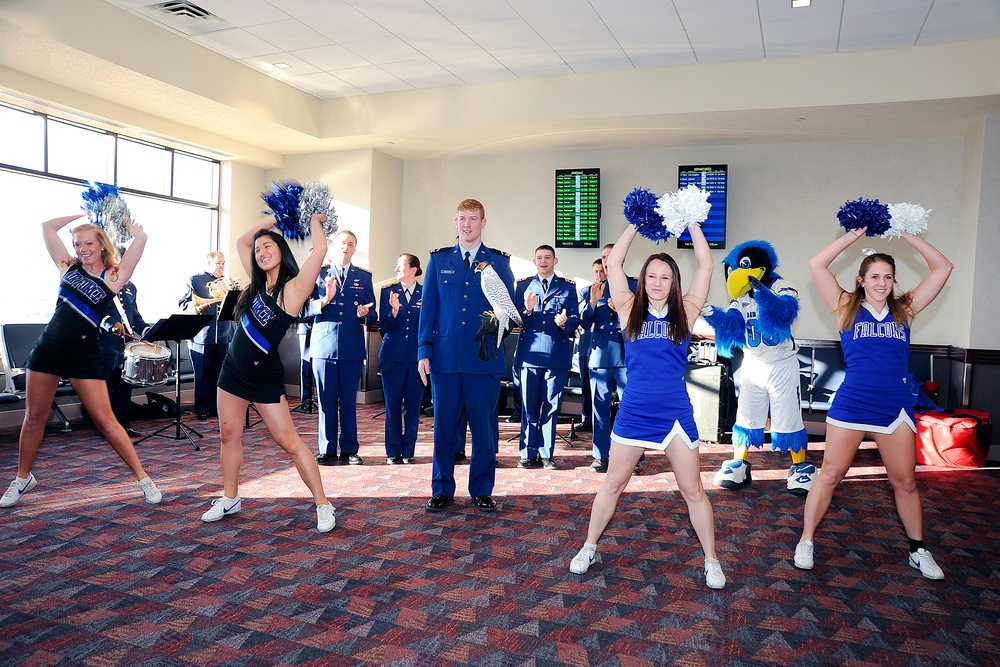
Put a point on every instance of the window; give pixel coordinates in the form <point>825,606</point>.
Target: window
<point>22,138</point>
<point>196,179</point>
<point>144,167</point>
<point>80,152</point>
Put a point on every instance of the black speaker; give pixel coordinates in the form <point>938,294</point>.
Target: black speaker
<point>160,406</point>
<point>709,387</point>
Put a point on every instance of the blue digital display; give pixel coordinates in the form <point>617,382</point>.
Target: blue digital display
<point>714,178</point>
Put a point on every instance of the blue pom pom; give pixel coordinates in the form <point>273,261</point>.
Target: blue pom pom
<point>640,211</point>
<point>93,200</point>
<point>283,201</point>
<point>867,214</point>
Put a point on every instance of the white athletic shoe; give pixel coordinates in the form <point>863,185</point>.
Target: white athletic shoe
<point>713,574</point>
<point>148,488</point>
<point>17,489</point>
<point>325,519</point>
<point>924,561</point>
<point>734,474</point>
<point>583,559</point>
<point>800,478</point>
<point>221,508</point>
<point>804,555</point>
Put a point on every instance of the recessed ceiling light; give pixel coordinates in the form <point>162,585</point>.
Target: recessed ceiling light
<point>282,65</point>
<point>800,3</point>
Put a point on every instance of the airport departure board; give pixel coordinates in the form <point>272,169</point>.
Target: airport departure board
<point>715,179</point>
<point>578,208</point>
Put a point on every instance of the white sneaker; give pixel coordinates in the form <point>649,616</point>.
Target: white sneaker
<point>148,487</point>
<point>325,519</point>
<point>804,555</point>
<point>800,478</point>
<point>734,474</point>
<point>713,574</point>
<point>222,507</point>
<point>582,560</point>
<point>924,561</point>
<point>16,489</point>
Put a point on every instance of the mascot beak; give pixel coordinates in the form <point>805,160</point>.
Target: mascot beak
<point>738,282</point>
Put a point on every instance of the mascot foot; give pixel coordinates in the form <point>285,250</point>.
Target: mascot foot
<point>735,474</point>
<point>800,478</point>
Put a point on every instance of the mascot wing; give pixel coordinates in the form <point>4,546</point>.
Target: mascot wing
<point>777,310</point>
<point>729,328</point>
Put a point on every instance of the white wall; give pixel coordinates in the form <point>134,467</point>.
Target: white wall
<point>787,194</point>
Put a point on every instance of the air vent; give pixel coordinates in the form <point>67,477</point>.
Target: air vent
<point>184,17</point>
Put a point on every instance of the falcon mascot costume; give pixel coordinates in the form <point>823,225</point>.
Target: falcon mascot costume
<point>759,321</point>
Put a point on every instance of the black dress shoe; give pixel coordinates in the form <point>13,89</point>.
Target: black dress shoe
<point>460,456</point>
<point>408,460</point>
<point>394,460</point>
<point>326,459</point>
<point>355,460</point>
<point>202,416</point>
<point>637,469</point>
<point>529,463</point>
<point>513,419</point>
<point>485,503</point>
<point>548,464</point>
<point>439,503</point>
<point>132,433</point>
<point>583,427</point>
<point>599,465</point>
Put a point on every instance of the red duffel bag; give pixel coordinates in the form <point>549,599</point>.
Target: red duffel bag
<point>953,438</point>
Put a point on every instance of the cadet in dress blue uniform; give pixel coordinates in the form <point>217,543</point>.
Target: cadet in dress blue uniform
<point>399,316</point>
<point>606,362</point>
<point>343,304</point>
<point>583,350</point>
<point>449,355</point>
<point>874,397</point>
<point>550,310</point>
<point>114,329</point>
<point>252,371</point>
<point>655,410</point>
<point>70,347</point>
<point>208,347</point>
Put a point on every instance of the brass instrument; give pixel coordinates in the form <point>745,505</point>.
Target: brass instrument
<point>218,289</point>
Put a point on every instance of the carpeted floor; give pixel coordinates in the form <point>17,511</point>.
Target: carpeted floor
<point>91,575</point>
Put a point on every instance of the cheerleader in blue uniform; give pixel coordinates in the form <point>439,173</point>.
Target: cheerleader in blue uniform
<point>70,346</point>
<point>252,371</point>
<point>655,411</point>
<point>874,397</point>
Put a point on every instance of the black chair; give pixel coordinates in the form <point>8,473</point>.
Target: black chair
<point>17,340</point>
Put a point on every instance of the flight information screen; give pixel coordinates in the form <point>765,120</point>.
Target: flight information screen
<point>578,208</point>
<point>715,179</point>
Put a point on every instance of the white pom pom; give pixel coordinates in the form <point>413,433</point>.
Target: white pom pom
<point>905,217</point>
<point>688,206</point>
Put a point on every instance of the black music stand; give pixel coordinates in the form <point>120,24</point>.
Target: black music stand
<point>177,328</point>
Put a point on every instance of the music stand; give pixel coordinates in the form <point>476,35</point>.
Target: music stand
<point>177,328</point>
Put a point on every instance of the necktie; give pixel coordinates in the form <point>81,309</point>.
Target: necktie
<point>545,285</point>
<point>468,261</point>
<point>406,295</point>
<point>342,275</point>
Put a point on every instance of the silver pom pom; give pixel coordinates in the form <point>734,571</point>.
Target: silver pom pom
<point>113,212</point>
<point>687,206</point>
<point>906,217</point>
<point>317,198</point>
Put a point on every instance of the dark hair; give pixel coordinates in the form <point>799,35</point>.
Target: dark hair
<point>677,328</point>
<point>599,260</point>
<point>899,306</point>
<point>413,262</point>
<point>546,247</point>
<point>258,279</point>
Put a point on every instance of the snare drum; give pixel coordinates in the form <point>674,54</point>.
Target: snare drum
<point>145,363</point>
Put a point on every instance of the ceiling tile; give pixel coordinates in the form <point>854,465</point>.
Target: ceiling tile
<point>289,35</point>
<point>383,50</point>
<point>464,12</point>
<point>446,45</point>
<point>952,20</point>
<point>421,73</point>
<point>498,35</point>
<point>242,13</point>
<point>266,65</point>
<point>405,16</point>
<point>331,57</point>
<point>234,43</point>
<point>366,76</point>
<point>324,85</point>
<point>892,27</point>
<point>532,9</point>
<point>801,37</point>
<point>345,25</point>
<point>299,8</point>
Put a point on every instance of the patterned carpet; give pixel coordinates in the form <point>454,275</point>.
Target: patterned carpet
<point>91,575</point>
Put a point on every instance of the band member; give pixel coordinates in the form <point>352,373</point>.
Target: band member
<point>343,304</point>
<point>454,307</point>
<point>399,316</point>
<point>122,321</point>
<point>70,346</point>
<point>874,325</point>
<point>252,371</point>
<point>550,313</point>
<point>208,348</point>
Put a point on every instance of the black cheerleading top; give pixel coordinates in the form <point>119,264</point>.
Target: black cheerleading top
<point>252,369</point>
<point>69,345</point>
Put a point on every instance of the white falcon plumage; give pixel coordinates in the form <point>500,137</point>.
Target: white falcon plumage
<point>496,293</point>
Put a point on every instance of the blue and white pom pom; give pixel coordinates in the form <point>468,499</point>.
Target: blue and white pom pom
<point>317,198</point>
<point>640,211</point>
<point>283,201</point>
<point>911,218</point>
<point>106,209</point>
<point>685,207</point>
<point>867,214</point>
